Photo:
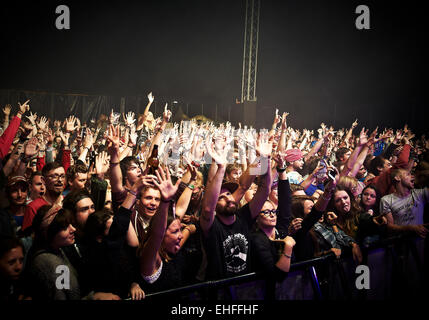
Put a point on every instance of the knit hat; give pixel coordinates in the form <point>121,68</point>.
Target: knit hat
<point>293,155</point>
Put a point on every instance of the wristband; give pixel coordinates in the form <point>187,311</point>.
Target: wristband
<point>287,256</point>
<point>166,201</point>
<point>280,170</point>
<point>133,193</point>
<point>191,186</point>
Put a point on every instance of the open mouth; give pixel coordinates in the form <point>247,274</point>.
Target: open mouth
<point>151,210</point>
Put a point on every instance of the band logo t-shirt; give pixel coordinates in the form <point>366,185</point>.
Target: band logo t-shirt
<point>228,246</point>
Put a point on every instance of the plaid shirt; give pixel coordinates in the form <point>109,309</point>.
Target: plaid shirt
<point>336,239</point>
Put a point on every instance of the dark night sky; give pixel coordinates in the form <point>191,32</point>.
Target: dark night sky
<point>313,62</point>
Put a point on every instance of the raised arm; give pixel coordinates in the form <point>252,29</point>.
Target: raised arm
<point>185,198</point>
<point>363,139</point>
<point>264,147</point>
<point>212,191</point>
<point>115,170</point>
<point>159,222</point>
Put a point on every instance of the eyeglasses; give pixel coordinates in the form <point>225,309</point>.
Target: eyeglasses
<point>57,176</point>
<point>268,213</point>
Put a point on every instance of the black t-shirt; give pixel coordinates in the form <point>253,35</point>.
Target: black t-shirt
<point>228,246</point>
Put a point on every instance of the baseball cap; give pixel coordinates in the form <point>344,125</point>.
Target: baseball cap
<point>15,180</point>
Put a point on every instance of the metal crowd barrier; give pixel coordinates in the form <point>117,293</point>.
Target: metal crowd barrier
<point>397,269</point>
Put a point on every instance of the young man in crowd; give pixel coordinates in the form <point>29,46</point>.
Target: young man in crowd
<point>404,208</point>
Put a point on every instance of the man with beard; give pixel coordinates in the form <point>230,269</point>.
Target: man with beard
<point>54,177</point>
<point>404,208</point>
<point>295,162</point>
<point>226,228</point>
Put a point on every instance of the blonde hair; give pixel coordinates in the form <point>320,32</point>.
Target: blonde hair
<point>348,183</point>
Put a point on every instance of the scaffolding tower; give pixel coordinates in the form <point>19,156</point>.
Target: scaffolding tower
<point>250,55</point>
<point>250,62</point>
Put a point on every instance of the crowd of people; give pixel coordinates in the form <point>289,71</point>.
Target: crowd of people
<point>126,205</point>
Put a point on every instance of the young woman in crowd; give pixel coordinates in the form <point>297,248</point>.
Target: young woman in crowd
<point>162,265</point>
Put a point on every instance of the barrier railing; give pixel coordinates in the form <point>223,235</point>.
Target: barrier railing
<point>395,264</point>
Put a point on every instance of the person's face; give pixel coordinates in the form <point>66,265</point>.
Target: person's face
<point>172,237</point>
<point>361,173</point>
<point>11,264</point>
<point>149,201</point>
<point>248,195</point>
<point>274,194</point>
<point>234,175</point>
<point>55,180</point>
<point>407,179</point>
<point>37,187</point>
<point>369,197</point>
<point>298,164</point>
<point>386,166</point>
<point>267,215</point>
<point>79,181</point>
<point>226,205</point>
<point>308,205</point>
<point>84,208</point>
<point>18,194</point>
<point>342,201</point>
<point>65,237</point>
<point>346,156</point>
<point>133,173</point>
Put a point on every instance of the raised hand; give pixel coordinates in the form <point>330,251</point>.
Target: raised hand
<point>70,124</point>
<point>133,135</point>
<point>113,137</point>
<point>355,123</point>
<point>32,117</point>
<point>219,155</point>
<point>150,97</point>
<point>43,123</point>
<point>31,148</point>
<point>264,145</point>
<point>6,110</point>
<point>89,139</point>
<point>167,114</point>
<point>363,138</point>
<point>129,118</point>
<point>279,158</point>
<point>24,107</point>
<point>102,161</point>
<point>114,117</point>
<point>164,184</point>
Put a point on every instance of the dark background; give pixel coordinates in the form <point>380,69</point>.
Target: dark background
<point>312,60</point>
